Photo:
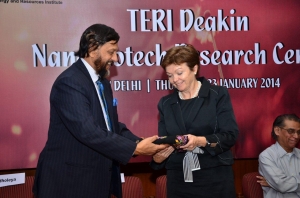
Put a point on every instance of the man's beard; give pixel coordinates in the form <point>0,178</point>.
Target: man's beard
<point>101,67</point>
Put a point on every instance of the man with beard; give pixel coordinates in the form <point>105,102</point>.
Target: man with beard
<point>86,142</point>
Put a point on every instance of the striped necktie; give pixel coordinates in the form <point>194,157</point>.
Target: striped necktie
<point>101,91</point>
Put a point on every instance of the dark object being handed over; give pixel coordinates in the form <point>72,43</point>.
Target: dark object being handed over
<point>175,140</point>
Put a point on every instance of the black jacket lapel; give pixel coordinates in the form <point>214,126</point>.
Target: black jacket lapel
<point>203,93</point>
<point>177,112</point>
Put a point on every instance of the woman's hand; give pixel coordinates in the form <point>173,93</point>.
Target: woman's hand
<point>160,156</point>
<point>194,141</point>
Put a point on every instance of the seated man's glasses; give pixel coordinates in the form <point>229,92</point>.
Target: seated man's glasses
<point>291,131</point>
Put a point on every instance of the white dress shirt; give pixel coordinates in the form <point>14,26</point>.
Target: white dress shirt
<point>282,172</point>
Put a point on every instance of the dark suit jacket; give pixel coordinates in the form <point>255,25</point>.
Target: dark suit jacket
<point>81,157</point>
<point>212,116</point>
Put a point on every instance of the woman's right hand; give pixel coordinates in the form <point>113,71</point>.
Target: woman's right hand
<point>194,141</point>
<point>160,156</point>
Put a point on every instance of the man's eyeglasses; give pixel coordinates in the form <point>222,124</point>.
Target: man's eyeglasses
<point>291,131</point>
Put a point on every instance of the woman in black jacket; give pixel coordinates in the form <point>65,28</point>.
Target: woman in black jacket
<point>200,117</point>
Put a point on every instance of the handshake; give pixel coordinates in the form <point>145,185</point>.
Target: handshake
<point>155,144</point>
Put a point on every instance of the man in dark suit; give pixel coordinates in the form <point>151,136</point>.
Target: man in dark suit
<point>86,142</point>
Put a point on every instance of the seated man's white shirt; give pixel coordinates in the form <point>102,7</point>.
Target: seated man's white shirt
<point>282,172</point>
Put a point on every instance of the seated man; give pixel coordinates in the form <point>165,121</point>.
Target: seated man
<point>279,165</point>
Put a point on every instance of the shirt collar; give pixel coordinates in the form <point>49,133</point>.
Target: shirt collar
<point>91,70</point>
<point>282,152</point>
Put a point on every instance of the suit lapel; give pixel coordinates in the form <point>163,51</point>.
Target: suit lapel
<point>175,106</point>
<point>109,101</point>
<point>107,93</point>
<point>203,93</point>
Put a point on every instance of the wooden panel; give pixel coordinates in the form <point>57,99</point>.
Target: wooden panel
<point>240,168</point>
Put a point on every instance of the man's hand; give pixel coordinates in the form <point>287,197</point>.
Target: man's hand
<point>146,147</point>
<point>262,181</point>
<point>160,156</point>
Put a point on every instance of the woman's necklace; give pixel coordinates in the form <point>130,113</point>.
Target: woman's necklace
<point>193,96</point>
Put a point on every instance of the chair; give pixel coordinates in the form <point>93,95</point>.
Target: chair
<point>251,189</point>
<point>161,187</point>
<point>20,190</point>
<point>132,188</point>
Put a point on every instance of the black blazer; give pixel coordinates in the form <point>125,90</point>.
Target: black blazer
<point>212,116</point>
<point>81,157</point>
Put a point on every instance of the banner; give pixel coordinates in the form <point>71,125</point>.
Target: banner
<point>250,47</point>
